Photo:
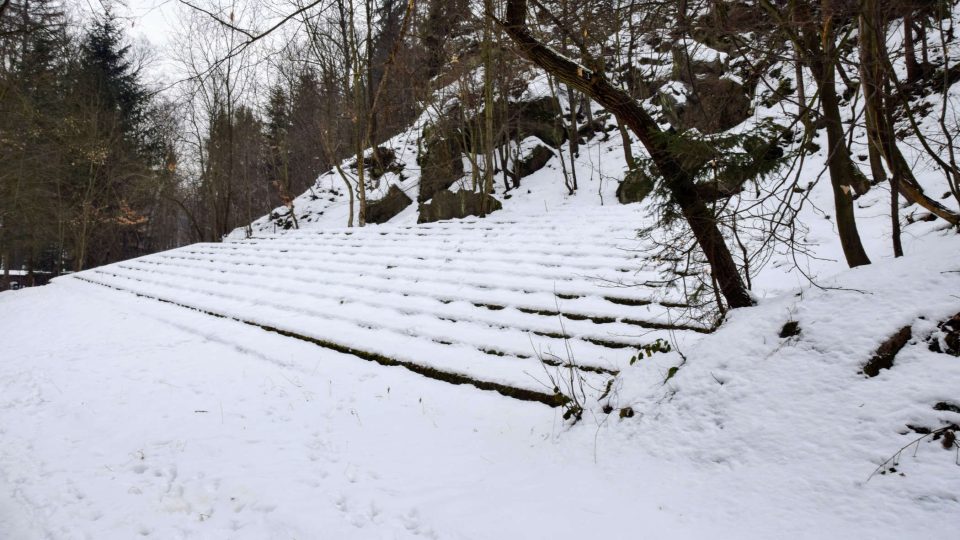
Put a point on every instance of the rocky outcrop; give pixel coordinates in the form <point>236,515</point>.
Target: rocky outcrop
<point>383,210</point>
<point>449,205</point>
<point>723,26</point>
<point>381,161</point>
<point>712,104</point>
<point>716,105</point>
<point>540,118</point>
<point>688,69</point>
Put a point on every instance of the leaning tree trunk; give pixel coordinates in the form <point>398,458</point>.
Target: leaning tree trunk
<point>880,122</point>
<point>871,76</point>
<point>701,220</point>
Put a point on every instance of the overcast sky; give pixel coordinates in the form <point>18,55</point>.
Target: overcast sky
<point>151,18</point>
<point>154,21</point>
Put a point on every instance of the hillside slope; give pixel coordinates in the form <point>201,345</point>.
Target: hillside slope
<point>137,417</point>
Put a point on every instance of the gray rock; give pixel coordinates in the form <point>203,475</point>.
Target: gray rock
<point>635,187</point>
<point>441,164</point>
<point>535,160</point>
<point>383,210</point>
<point>540,118</point>
<point>449,205</point>
<point>713,104</point>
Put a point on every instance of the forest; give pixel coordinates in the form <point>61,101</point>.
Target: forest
<point>100,165</point>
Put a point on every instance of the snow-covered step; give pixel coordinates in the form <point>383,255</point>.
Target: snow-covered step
<point>488,303</point>
<point>521,277</point>
<point>521,378</point>
<point>641,312</point>
<point>486,336</point>
<point>289,280</point>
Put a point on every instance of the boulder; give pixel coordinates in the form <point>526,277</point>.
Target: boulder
<point>635,187</point>
<point>534,161</point>
<point>448,205</point>
<point>724,24</point>
<point>588,129</point>
<point>382,160</point>
<point>687,69</point>
<point>441,164</point>
<point>718,104</point>
<point>541,118</point>
<point>383,210</point>
<point>379,162</point>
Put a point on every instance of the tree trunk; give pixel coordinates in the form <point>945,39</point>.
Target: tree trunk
<point>872,75</point>
<point>817,45</point>
<point>574,139</point>
<point>627,146</point>
<point>910,53</point>
<point>488,107</point>
<point>842,176</point>
<point>880,122</point>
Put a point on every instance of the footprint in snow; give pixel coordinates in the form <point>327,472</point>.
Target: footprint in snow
<point>340,503</point>
<point>264,508</point>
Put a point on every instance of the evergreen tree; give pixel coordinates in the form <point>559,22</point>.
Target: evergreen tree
<point>107,71</point>
<point>311,112</point>
<point>115,146</point>
<point>278,142</point>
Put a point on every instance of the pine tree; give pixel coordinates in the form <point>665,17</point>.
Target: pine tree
<point>115,148</point>
<point>107,71</point>
<point>310,114</point>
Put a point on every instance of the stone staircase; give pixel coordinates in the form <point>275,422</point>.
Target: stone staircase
<point>502,305</point>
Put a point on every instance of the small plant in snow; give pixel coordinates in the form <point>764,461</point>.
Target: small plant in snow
<point>564,376</point>
<point>567,383</point>
<point>646,351</point>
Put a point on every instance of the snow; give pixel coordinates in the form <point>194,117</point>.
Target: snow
<point>484,299</point>
<point>198,393</point>
<point>136,417</point>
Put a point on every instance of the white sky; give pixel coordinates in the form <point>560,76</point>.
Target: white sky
<point>150,19</point>
<point>154,22</point>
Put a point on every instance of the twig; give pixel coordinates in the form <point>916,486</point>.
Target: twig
<point>895,458</point>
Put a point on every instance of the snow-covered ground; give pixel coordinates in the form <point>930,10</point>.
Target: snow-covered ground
<point>122,416</point>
